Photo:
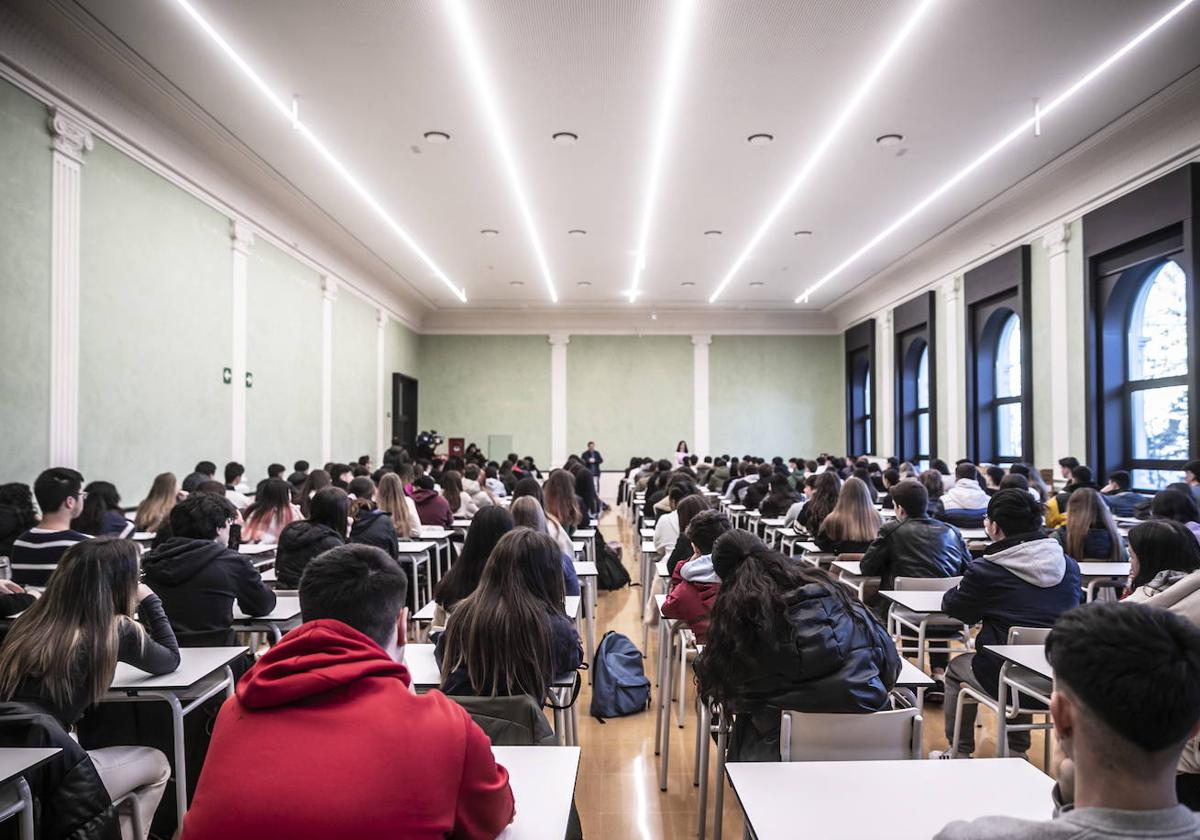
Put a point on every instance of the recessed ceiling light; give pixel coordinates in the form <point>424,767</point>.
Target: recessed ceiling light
<point>688,283</point>
<point>802,233</point>
<point>516,282</point>
<point>584,283</point>
<point>565,138</point>
<point>754,284</point>
<point>712,233</point>
<point>577,232</point>
<point>490,232</point>
<point>437,137</point>
<point>889,139</point>
<point>760,139</point>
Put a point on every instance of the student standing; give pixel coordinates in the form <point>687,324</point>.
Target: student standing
<point>35,553</point>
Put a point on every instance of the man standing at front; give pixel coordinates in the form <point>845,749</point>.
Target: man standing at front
<point>593,459</point>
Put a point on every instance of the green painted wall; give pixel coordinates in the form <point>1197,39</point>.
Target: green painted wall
<point>283,352</point>
<point>354,369</point>
<point>473,386</point>
<point>401,354</point>
<point>24,285</point>
<point>777,395</point>
<point>155,303</point>
<point>631,395</point>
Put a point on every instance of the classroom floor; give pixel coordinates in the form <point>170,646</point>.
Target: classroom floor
<point>617,790</point>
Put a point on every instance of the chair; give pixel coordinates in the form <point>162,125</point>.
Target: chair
<point>874,736</point>
<point>920,623</point>
<point>964,517</point>
<point>1021,682</point>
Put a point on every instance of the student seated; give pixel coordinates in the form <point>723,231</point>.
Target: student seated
<point>666,527</point>
<point>205,471</point>
<point>35,553</point>
<point>790,519</point>
<point>153,510</point>
<point>780,497</point>
<point>1056,508</point>
<point>751,494</point>
<point>331,706</point>
<point>891,477</point>
<point>825,493</point>
<point>561,504</point>
<point>1034,480</point>
<point>853,523</point>
<point>965,503</point>
<point>102,515</point>
<point>683,550</point>
<point>1191,477</point>
<point>271,512</point>
<point>913,544</point>
<point>432,508</point>
<point>527,512</point>
<point>304,540</point>
<point>372,526</point>
<point>1090,532</point>
<point>488,526</point>
<point>694,583</point>
<point>460,503</point>
<point>1162,557</point>
<point>60,655</point>
<point>511,635</point>
<point>785,636</point>
<point>199,577</point>
<point>1178,506</point>
<point>1119,496</point>
<point>1023,579</point>
<point>392,498</point>
<point>234,473</point>
<point>472,486</point>
<point>1126,699</point>
<point>299,474</point>
<point>17,514</point>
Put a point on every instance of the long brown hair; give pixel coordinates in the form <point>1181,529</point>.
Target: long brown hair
<point>527,513</point>
<point>823,501</point>
<point>271,512</point>
<point>153,510</point>
<point>87,599</point>
<point>561,502</point>
<point>317,480</point>
<point>501,632</point>
<point>854,517</point>
<point>391,498</point>
<point>1086,511</point>
<point>452,489</point>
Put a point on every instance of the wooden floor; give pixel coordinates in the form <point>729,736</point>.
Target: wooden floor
<point>617,790</point>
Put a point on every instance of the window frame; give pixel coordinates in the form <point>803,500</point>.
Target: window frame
<point>861,382</point>
<point>915,326</point>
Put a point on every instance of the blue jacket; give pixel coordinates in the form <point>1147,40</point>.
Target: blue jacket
<point>1020,581</point>
<point>1124,503</point>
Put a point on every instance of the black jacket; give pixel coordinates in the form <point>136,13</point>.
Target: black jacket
<point>840,546</point>
<point>915,547</point>
<point>299,543</point>
<point>70,801</point>
<point>198,581</point>
<point>773,506</point>
<point>755,493</point>
<point>681,553</point>
<point>12,524</point>
<point>374,527</point>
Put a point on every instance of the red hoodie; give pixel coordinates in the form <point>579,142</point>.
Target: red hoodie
<point>691,602</point>
<point>324,739</point>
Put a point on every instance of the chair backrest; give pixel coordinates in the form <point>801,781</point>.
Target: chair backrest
<point>1028,635</point>
<point>965,517</point>
<point>874,736</point>
<point>928,584</point>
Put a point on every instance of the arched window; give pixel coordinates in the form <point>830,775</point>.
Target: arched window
<point>868,408</point>
<point>1156,387</point>
<point>1007,402</point>
<point>913,438</point>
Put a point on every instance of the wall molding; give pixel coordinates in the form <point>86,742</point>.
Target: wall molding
<point>329,293</point>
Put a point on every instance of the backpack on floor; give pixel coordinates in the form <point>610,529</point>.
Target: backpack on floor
<point>610,572</point>
<point>619,685</point>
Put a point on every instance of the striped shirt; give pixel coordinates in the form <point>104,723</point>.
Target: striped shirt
<point>35,554</point>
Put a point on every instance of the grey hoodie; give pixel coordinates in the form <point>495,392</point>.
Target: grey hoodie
<point>700,570</point>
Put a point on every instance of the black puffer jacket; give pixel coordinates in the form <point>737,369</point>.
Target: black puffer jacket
<point>13,523</point>
<point>299,543</point>
<point>916,547</point>
<point>375,527</point>
<point>70,801</point>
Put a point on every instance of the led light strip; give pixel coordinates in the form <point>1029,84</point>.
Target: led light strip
<point>286,111</point>
<point>681,25</point>
<point>1038,118</point>
<point>481,81</point>
<point>827,140</point>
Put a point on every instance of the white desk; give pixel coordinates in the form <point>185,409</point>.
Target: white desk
<point>440,537</point>
<point>195,678</point>
<point>912,677</point>
<point>1032,657</point>
<point>285,616</point>
<point>255,549</point>
<point>1093,573</point>
<point>587,536</point>
<point>917,600</point>
<point>909,799</point>
<point>850,567</point>
<point>416,553</point>
<point>974,534</point>
<point>586,572</point>
<point>570,606</point>
<point>646,533</point>
<point>15,763</point>
<point>543,786</point>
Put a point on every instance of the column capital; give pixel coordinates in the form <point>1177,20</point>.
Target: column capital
<point>701,339</point>
<point>559,339</point>
<point>381,318</point>
<point>1056,238</point>
<point>242,236</point>
<point>70,136</point>
<point>886,320</point>
<point>329,287</point>
<point>952,288</point>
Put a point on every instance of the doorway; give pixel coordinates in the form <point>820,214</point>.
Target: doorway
<point>404,411</point>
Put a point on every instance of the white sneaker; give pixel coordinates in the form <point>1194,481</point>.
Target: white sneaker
<point>947,754</point>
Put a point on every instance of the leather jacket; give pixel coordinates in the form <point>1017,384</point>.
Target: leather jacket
<point>915,547</point>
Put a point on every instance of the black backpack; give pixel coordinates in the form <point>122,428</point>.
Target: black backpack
<point>610,574</point>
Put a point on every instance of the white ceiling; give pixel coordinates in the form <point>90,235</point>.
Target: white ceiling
<point>374,76</point>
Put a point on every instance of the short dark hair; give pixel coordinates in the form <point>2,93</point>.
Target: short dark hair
<point>1174,504</point>
<point>233,470</point>
<point>1192,467</point>
<point>911,496</point>
<point>1094,649</point>
<point>276,470</point>
<point>362,487</point>
<point>995,473</point>
<point>358,585</point>
<point>211,486</point>
<point>1014,481</point>
<point>1069,462</point>
<point>201,515</point>
<point>704,529</point>
<point>891,476</point>
<point>1082,475</point>
<point>1121,479</point>
<point>966,470</point>
<point>54,486</point>
<point>206,468</point>
<point>1015,511</point>
<point>300,466</point>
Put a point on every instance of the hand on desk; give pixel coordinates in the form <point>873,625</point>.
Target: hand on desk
<point>8,587</point>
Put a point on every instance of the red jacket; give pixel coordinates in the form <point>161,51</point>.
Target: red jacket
<point>690,602</point>
<point>324,739</point>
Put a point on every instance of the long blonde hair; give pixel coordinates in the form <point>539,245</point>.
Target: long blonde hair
<point>561,502</point>
<point>391,498</point>
<point>153,510</point>
<point>853,518</point>
<point>1086,510</point>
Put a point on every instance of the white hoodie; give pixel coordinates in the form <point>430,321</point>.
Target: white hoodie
<point>965,495</point>
<point>1040,563</point>
<point>700,570</point>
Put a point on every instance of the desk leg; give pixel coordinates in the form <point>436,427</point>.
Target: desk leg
<point>26,818</point>
<point>705,725</point>
<point>560,730</point>
<point>181,803</point>
<point>589,603</point>
<point>665,688</point>
<point>658,679</point>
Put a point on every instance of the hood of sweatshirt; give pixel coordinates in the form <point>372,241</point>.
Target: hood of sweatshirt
<point>365,520</point>
<point>302,535</point>
<point>700,570</point>
<point>420,495</point>
<point>179,559</point>
<point>314,659</point>
<point>1039,562</point>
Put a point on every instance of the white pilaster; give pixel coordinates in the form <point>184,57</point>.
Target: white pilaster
<point>885,378</point>
<point>381,320</point>
<point>558,397</point>
<point>70,141</point>
<point>700,442</point>
<point>951,386</point>
<point>241,237</point>
<point>329,288</point>
<point>1055,242</point>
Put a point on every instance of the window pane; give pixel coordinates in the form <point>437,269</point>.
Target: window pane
<point>923,383</point>
<point>1154,479</point>
<point>1158,420</point>
<point>1008,359</point>
<point>1158,327</point>
<point>867,439</point>
<point>867,394</point>
<point>1008,430</point>
<point>923,433</point>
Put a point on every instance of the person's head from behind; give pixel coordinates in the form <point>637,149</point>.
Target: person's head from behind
<point>1191,472</point>
<point>274,497</point>
<point>994,475</point>
<point>688,508</point>
<point>488,526</point>
<point>1160,545</point>
<point>215,488</point>
<point>527,513</point>
<point>966,470</point>
<point>528,487</point>
<point>679,489</point>
<point>18,498</point>
<point>207,468</point>
<point>1014,481</point>
<point>932,481</point>
<point>911,498</point>
<point>1086,511</point>
<point>362,587</point>
<point>1012,512</point>
<point>854,516</point>
<point>1175,505</point>
<point>330,507</point>
<point>891,477</point>
<point>276,470</point>
<point>1119,481</point>
<point>705,528</point>
<point>203,516</point>
<point>59,492</point>
<point>93,590</point>
<point>1065,465</point>
<point>1081,476</point>
<point>300,466</point>
<point>362,488</point>
<point>1126,691</point>
<point>233,473</point>
<point>780,486</point>
<point>99,498</point>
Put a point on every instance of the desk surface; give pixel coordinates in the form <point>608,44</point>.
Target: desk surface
<point>660,569</point>
<point>1095,568</point>
<point>543,786</point>
<point>909,799</point>
<point>16,761</point>
<point>585,569</point>
<point>850,567</point>
<point>252,549</point>
<point>425,614</point>
<point>415,547</point>
<point>917,600</point>
<point>195,664</point>
<point>424,673</point>
<point>646,533</point>
<point>648,547</point>
<point>433,532</point>
<point>974,534</point>
<point>911,676</point>
<point>774,521</point>
<point>287,608</point>
<point>461,523</point>
<point>584,533</point>
<point>812,548</point>
<point>1032,657</point>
